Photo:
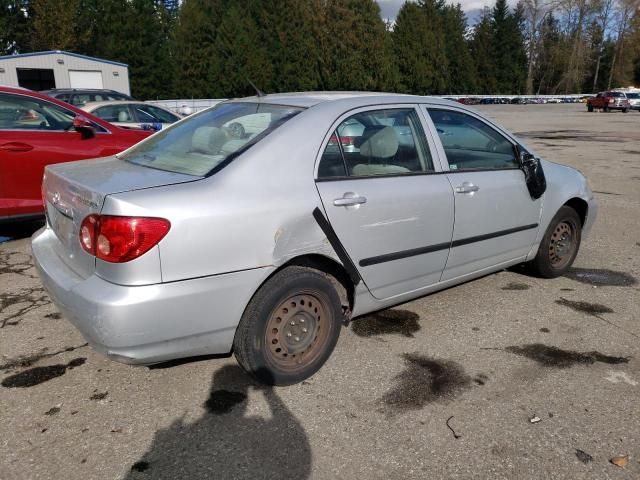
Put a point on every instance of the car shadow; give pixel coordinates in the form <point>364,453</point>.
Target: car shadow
<point>227,441</point>
<point>19,229</point>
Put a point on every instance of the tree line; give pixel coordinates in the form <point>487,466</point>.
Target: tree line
<point>212,48</point>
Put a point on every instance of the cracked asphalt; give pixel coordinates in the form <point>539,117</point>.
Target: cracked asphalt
<point>507,376</point>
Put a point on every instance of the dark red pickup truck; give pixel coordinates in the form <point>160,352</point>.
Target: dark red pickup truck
<point>609,101</point>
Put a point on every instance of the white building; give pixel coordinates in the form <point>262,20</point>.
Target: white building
<point>57,69</point>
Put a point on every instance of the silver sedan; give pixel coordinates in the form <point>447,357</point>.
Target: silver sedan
<point>206,238</point>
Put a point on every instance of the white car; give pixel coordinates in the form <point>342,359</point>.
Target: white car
<point>132,114</point>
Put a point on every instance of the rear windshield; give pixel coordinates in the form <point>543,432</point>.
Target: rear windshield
<point>633,95</point>
<point>207,141</point>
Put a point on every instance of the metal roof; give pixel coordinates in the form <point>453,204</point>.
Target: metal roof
<point>60,52</point>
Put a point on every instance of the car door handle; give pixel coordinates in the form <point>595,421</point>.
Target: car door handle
<point>467,187</point>
<point>349,199</point>
<point>15,147</point>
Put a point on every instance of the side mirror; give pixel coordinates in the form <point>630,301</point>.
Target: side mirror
<point>526,158</point>
<point>84,127</point>
<point>533,173</point>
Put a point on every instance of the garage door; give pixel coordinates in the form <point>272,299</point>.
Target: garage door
<point>85,79</point>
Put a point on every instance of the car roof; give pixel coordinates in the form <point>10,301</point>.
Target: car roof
<point>94,105</point>
<point>80,90</point>
<point>310,99</point>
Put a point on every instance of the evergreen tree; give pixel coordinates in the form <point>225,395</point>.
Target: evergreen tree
<point>15,26</point>
<point>54,24</point>
<point>482,50</point>
<point>419,48</point>
<point>461,71</point>
<point>508,47</point>
<point>241,54</point>
<point>357,52</point>
<point>192,47</point>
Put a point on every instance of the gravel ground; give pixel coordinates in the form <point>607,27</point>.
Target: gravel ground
<point>486,356</point>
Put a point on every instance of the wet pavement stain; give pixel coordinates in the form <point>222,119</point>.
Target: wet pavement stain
<point>54,316</point>
<point>52,411</point>
<point>567,290</point>
<point>26,300</point>
<point>28,360</point>
<point>606,193</point>
<point>99,396</point>
<point>387,322</point>
<point>140,467</point>
<point>601,277</point>
<point>583,456</point>
<point>37,375</point>
<point>594,309</point>
<point>549,356</point>
<point>544,330</point>
<point>223,401</point>
<point>516,286</point>
<point>425,380</point>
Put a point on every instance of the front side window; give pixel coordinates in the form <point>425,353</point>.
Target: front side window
<point>18,112</point>
<point>209,140</point>
<point>471,144</point>
<point>377,142</point>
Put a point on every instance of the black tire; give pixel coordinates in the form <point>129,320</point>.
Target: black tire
<point>290,327</point>
<point>590,108</point>
<point>554,255</point>
<point>624,110</point>
<point>605,108</point>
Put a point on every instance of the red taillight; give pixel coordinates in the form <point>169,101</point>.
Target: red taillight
<point>121,239</point>
<point>347,141</point>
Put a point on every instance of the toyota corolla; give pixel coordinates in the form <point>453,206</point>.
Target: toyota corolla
<point>209,239</point>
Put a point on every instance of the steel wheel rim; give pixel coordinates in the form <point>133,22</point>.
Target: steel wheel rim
<point>297,331</point>
<point>562,244</point>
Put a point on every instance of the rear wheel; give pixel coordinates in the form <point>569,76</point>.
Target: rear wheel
<point>624,110</point>
<point>290,327</point>
<point>605,108</point>
<point>590,108</point>
<point>559,246</point>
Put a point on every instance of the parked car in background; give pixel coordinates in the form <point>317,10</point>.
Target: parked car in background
<point>37,130</point>
<point>79,97</point>
<point>197,241</point>
<point>132,114</point>
<point>634,100</point>
<point>608,101</point>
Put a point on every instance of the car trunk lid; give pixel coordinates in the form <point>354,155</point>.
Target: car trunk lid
<point>72,191</point>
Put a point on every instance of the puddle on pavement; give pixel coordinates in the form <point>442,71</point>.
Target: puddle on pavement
<point>594,309</point>
<point>601,277</point>
<point>387,322</point>
<point>425,380</point>
<point>37,375</point>
<point>516,286</point>
<point>28,360</point>
<point>549,356</point>
<point>222,401</point>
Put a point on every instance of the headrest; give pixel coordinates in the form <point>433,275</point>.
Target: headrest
<point>123,116</point>
<point>382,144</point>
<point>208,140</point>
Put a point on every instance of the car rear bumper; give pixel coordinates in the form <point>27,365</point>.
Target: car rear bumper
<point>151,323</point>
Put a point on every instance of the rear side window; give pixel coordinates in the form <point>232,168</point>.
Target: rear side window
<point>471,144</point>
<point>147,113</point>
<point>209,140</point>
<point>378,142</point>
<point>114,113</point>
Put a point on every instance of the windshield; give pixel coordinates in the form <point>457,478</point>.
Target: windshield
<point>633,95</point>
<point>207,141</point>
<point>616,94</point>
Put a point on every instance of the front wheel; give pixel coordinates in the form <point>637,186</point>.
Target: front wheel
<point>590,108</point>
<point>624,110</point>
<point>290,327</point>
<point>559,246</point>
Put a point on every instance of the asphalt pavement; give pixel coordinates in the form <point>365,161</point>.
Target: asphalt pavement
<point>508,376</point>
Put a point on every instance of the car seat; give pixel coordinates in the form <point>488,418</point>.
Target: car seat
<point>376,151</point>
<point>123,116</point>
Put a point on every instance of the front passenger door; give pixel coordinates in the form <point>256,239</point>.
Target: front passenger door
<point>496,220</point>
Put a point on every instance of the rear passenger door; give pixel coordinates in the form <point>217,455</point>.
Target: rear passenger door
<point>384,198</point>
<point>496,220</point>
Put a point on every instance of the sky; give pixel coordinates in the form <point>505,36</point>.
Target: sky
<point>389,8</point>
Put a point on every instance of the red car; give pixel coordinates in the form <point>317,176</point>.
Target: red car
<point>609,101</point>
<point>36,130</point>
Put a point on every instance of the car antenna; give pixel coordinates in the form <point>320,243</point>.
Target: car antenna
<point>259,92</point>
